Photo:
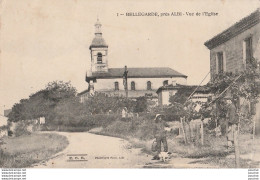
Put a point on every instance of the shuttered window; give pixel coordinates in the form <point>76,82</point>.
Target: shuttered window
<point>248,50</point>
<point>132,85</point>
<point>116,86</point>
<point>165,83</point>
<point>99,58</point>
<point>220,59</point>
<point>149,85</point>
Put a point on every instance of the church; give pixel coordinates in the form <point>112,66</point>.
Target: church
<point>139,81</point>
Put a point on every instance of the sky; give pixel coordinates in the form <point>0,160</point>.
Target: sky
<point>44,41</point>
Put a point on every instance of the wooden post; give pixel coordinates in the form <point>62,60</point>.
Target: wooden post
<point>253,141</point>
<point>190,138</point>
<point>253,129</point>
<point>202,133</point>
<point>183,131</point>
<point>236,144</point>
<point>197,133</point>
<point>125,81</point>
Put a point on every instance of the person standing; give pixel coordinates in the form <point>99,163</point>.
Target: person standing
<point>232,121</point>
<point>160,135</point>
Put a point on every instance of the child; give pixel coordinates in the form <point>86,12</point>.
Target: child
<point>160,135</point>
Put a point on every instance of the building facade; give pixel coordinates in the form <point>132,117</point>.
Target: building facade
<point>140,81</point>
<point>165,92</point>
<point>235,48</point>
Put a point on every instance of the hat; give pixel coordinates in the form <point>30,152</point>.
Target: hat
<point>157,116</point>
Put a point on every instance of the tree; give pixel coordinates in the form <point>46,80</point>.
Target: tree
<point>181,95</point>
<point>141,104</point>
<point>68,112</point>
<point>245,85</point>
<point>17,112</point>
<point>43,102</point>
<point>102,103</point>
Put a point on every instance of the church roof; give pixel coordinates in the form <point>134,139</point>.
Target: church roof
<point>98,41</point>
<point>153,72</point>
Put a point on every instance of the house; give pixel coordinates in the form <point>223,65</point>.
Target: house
<point>140,81</point>
<point>235,48</point>
<point>200,94</point>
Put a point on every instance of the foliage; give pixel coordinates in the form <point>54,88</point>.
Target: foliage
<point>102,103</point>
<point>83,123</point>
<point>43,102</point>
<point>245,84</point>
<point>24,151</point>
<point>21,128</point>
<point>181,95</point>
<point>136,128</point>
<point>176,110</point>
<point>140,104</point>
<point>67,112</point>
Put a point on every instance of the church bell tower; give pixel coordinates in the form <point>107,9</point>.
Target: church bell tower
<point>98,51</point>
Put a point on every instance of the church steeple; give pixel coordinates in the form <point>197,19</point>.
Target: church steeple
<point>98,40</point>
<point>98,50</point>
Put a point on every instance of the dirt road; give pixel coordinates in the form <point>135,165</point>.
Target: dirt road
<point>86,150</point>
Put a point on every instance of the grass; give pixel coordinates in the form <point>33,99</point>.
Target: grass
<point>213,152</point>
<point>26,150</point>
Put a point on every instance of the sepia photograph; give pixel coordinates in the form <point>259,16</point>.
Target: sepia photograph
<point>129,84</point>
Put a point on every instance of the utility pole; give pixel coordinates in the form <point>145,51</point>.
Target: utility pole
<point>125,81</point>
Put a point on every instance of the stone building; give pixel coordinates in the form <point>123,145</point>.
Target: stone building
<point>165,92</point>
<point>235,48</point>
<point>140,81</point>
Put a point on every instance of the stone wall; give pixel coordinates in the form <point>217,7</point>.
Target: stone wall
<point>140,83</point>
<point>233,51</point>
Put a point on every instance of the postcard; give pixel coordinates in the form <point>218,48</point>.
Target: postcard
<point>129,84</point>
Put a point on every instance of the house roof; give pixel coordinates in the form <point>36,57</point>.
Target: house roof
<point>153,72</point>
<point>200,89</point>
<point>234,30</point>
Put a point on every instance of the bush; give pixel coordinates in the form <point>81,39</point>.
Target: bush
<point>6,160</point>
<point>83,123</point>
<point>21,129</point>
<point>137,128</point>
<point>119,129</point>
<point>145,130</point>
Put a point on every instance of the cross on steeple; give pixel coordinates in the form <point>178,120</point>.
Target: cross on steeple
<point>98,27</point>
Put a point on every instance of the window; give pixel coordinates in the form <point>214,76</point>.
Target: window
<point>99,58</point>
<point>133,85</point>
<point>248,50</point>
<point>220,62</point>
<point>116,86</point>
<point>149,85</point>
<point>165,83</point>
